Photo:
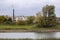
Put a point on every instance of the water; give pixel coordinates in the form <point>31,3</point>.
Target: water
<point>30,35</point>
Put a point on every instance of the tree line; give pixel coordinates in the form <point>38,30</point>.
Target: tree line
<point>46,18</point>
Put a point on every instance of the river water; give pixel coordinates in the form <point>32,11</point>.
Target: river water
<point>30,35</point>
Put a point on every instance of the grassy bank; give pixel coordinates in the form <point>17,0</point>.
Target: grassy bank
<point>17,26</point>
<point>27,27</point>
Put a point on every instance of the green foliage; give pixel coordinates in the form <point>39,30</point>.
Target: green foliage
<point>39,20</point>
<point>2,19</point>
<point>30,19</point>
<point>49,15</point>
<point>58,22</point>
<point>45,19</point>
<point>8,20</point>
<point>5,20</point>
<point>48,19</point>
<point>20,22</point>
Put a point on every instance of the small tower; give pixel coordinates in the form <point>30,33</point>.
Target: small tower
<point>13,15</point>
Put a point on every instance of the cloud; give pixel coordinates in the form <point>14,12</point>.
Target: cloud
<point>26,7</point>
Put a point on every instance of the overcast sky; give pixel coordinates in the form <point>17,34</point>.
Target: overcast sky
<point>26,7</point>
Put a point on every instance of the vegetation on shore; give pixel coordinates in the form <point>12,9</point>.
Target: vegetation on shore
<point>42,21</point>
<point>28,27</point>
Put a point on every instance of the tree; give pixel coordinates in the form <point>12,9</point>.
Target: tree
<point>20,22</point>
<point>30,19</point>
<point>39,20</point>
<point>7,20</point>
<point>49,15</point>
<point>2,19</point>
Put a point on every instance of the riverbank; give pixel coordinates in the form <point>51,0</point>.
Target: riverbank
<point>34,30</point>
<point>27,28</point>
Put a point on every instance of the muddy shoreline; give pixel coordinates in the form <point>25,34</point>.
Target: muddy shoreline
<point>24,30</point>
<point>29,39</point>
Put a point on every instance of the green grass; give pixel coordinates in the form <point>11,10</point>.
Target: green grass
<point>17,26</point>
<point>28,27</point>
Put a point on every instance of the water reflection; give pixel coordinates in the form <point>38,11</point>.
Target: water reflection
<point>21,35</point>
<point>30,35</point>
<point>45,35</point>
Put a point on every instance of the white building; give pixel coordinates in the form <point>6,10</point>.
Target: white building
<point>20,18</point>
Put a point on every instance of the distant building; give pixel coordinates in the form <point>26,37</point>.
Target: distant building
<point>20,18</point>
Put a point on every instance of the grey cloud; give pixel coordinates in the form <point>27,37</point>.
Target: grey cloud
<point>26,7</point>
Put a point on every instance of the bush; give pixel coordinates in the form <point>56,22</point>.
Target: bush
<point>20,22</point>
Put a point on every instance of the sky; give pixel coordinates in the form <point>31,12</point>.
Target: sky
<point>27,7</point>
